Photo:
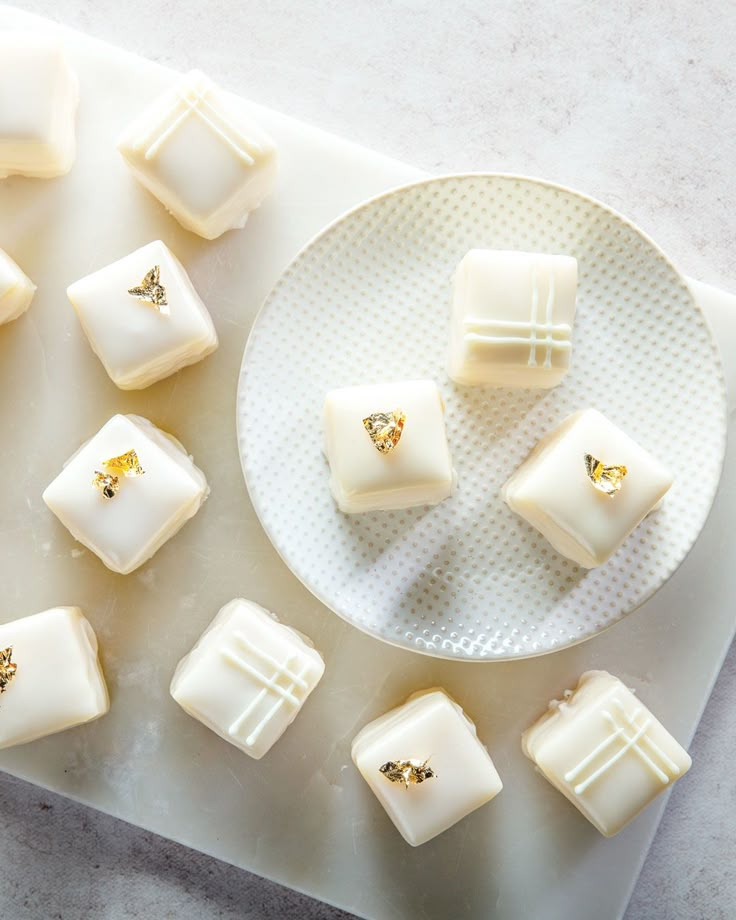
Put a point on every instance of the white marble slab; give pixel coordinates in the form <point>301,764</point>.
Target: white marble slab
<point>338,844</point>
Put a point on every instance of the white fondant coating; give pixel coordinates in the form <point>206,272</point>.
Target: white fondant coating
<point>199,152</point>
<point>512,318</point>
<point>418,471</point>
<point>38,103</point>
<point>137,343</point>
<point>147,511</point>
<point>552,491</point>
<point>604,750</point>
<point>16,289</point>
<point>247,677</point>
<point>429,725</point>
<point>59,681</point>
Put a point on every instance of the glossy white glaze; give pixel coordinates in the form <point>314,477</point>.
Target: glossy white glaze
<point>247,677</point>
<point>16,289</point>
<point>58,682</point>
<point>552,490</point>
<point>418,471</point>
<point>128,529</point>
<point>137,343</point>
<point>38,104</point>
<point>430,727</point>
<point>201,155</point>
<point>603,749</point>
<point>512,318</point>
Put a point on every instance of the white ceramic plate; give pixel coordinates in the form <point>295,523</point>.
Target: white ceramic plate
<point>368,300</point>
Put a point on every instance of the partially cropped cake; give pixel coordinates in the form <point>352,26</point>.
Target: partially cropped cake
<point>387,447</point>
<point>425,765</point>
<point>50,675</point>
<point>199,151</point>
<point>16,289</point>
<point>512,318</point>
<point>247,677</point>
<point>586,486</point>
<point>143,317</point>
<point>604,750</point>
<point>38,104</point>
<point>127,491</point>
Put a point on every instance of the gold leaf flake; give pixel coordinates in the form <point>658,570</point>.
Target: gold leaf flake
<point>7,668</point>
<point>126,464</point>
<point>385,429</point>
<point>607,479</point>
<point>107,483</point>
<point>150,290</point>
<point>408,772</point>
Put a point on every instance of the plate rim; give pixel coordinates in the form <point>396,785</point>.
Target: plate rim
<point>397,190</point>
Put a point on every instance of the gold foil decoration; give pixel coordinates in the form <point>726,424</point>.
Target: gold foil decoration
<point>385,429</point>
<point>7,668</point>
<point>607,479</point>
<point>150,290</point>
<point>108,484</point>
<point>408,772</point>
<point>126,464</point>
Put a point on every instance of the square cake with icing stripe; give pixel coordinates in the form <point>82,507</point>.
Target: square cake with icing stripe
<point>605,751</point>
<point>199,151</point>
<point>247,677</point>
<point>512,318</point>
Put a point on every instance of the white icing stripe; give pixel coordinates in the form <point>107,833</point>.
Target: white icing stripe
<point>604,768</point>
<point>571,774</point>
<point>549,342</point>
<point>253,736</point>
<point>282,671</point>
<point>667,761</point>
<point>548,317</point>
<point>264,656</point>
<point>269,682</point>
<point>473,323</point>
<point>533,324</point>
<point>631,743</point>
<point>195,104</point>
<point>552,336</point>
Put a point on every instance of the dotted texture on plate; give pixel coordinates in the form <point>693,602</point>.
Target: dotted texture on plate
<point>369,300</point>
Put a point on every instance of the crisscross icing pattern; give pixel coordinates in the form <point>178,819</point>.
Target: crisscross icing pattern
<point>279,683</point>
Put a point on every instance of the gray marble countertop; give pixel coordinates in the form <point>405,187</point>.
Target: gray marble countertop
<point>631,102</point>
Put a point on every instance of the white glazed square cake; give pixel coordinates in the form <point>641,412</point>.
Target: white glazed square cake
<point>127,491</point>
<point>512,318</point>
<point>50,675</point>
<point>425,764</point>
<point>38,104</point>
<point>143,318</point>
<point>586,486</point>
<point>387,447</point>
<point>247,677</point>
<point>605,751</point>
<point>197,149</point>
<point>16,289</point>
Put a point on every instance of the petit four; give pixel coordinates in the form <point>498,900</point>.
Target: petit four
<point>127,491</point>
<point>16,289</point>
<point>143,318</point>
<point>604,751</point>
<point>387,447</point>
<point>247,677</point>
<point>50,675</point>
<point>425,764</point>
<point>512,318</point>
<point>586,486</point>
<point>197,149</point>
<point>38,103</point>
